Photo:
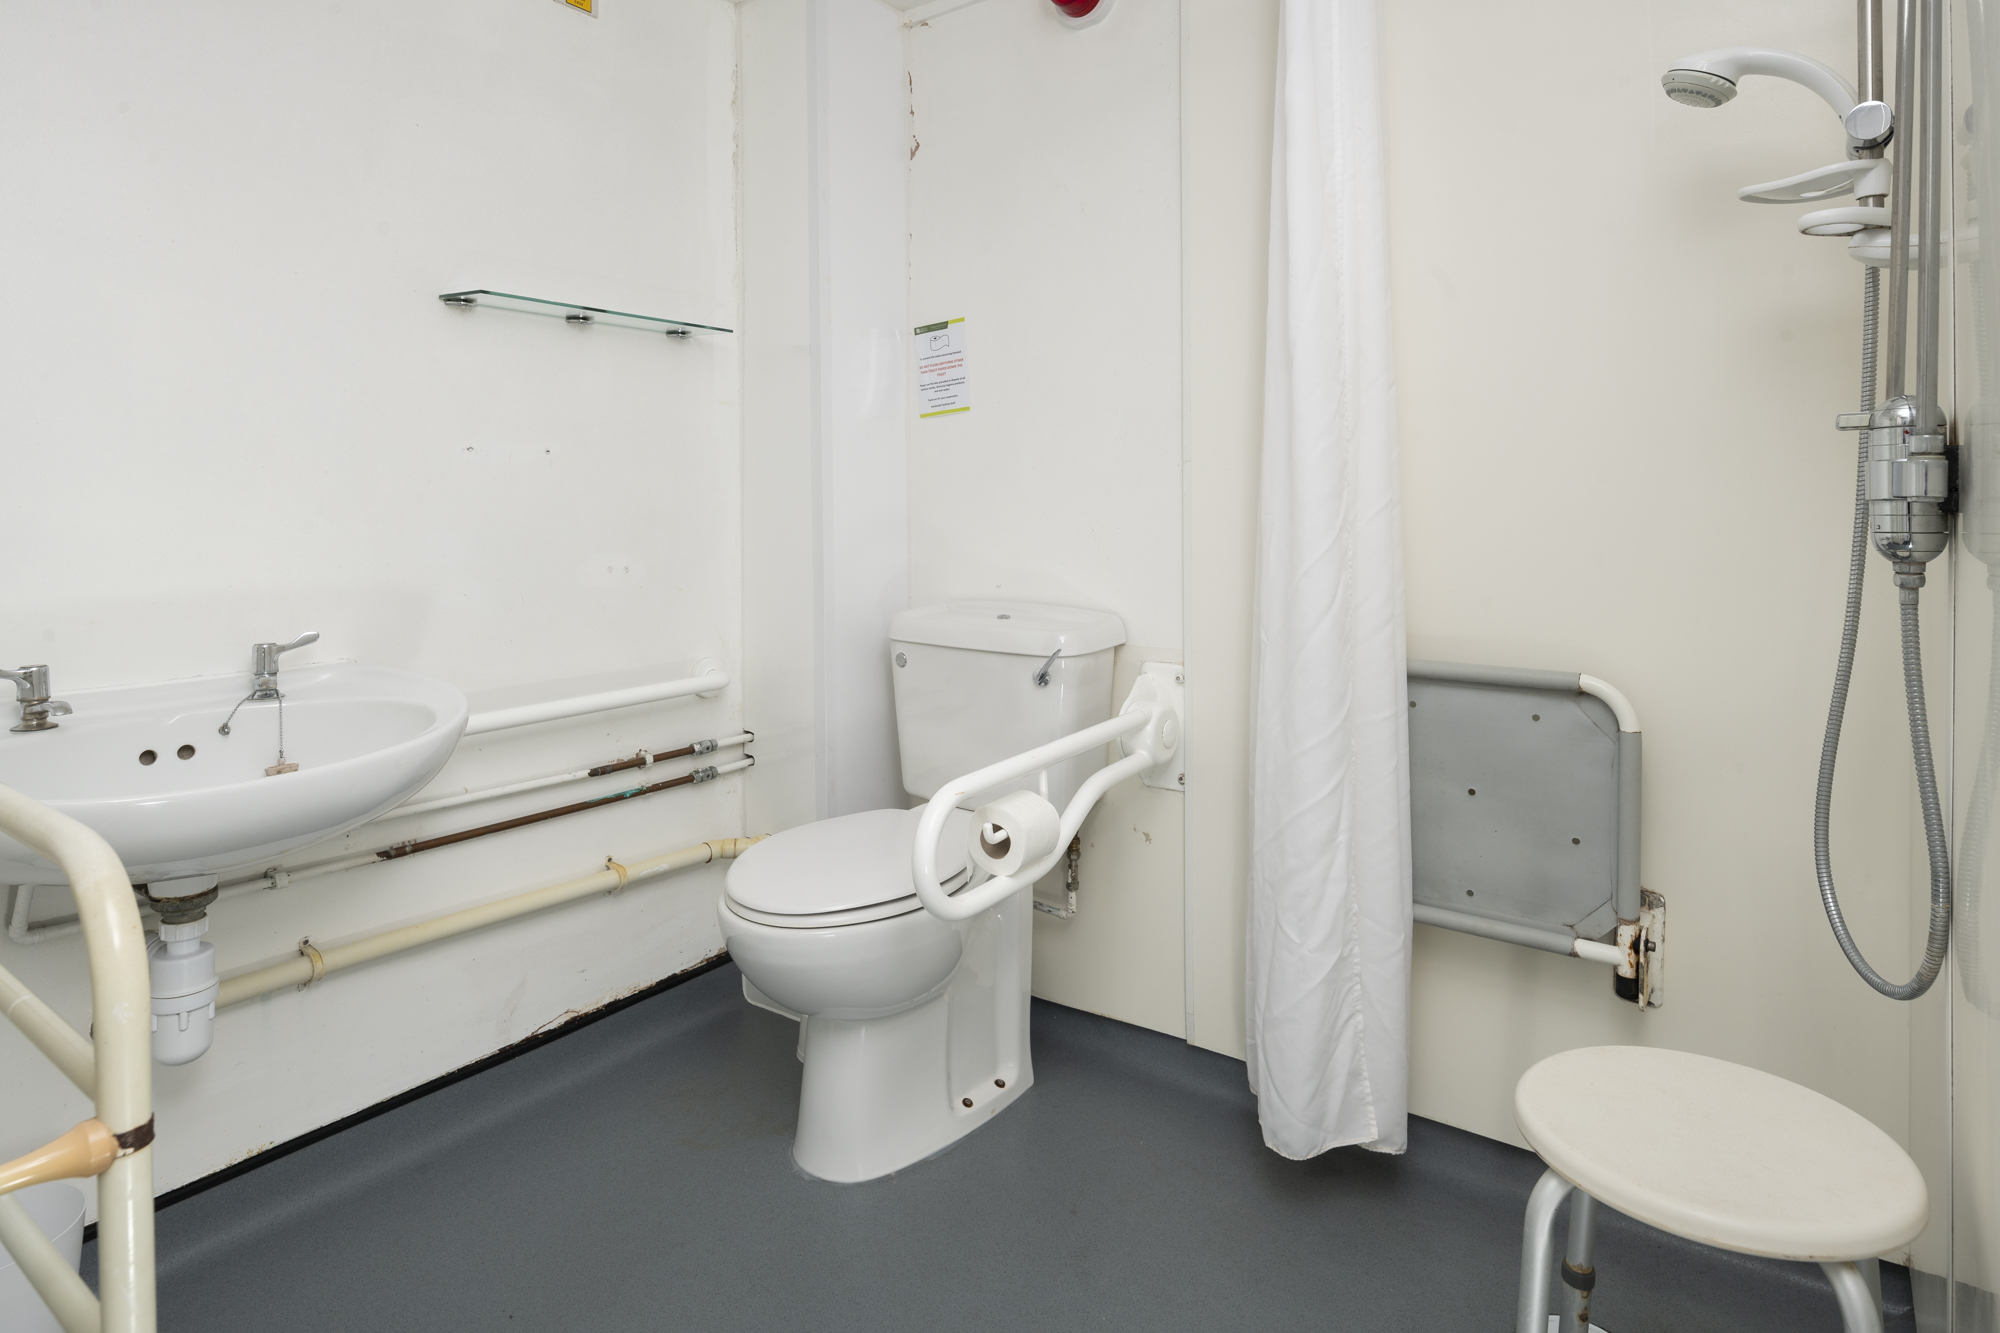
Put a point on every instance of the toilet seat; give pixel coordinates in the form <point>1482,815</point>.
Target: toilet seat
<point>841,872</point>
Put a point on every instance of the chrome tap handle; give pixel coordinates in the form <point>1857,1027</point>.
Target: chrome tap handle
<point>264,656</point>
<point>264,664</point>
<point>31,691</point>
<point>31,683</point>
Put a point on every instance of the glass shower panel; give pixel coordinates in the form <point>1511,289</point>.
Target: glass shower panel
<point>1972,1080</point>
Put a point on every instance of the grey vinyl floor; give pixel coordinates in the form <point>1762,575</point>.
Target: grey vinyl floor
<point>636,1174</point>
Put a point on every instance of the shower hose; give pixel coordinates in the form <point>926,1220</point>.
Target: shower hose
<point>1920,732</point>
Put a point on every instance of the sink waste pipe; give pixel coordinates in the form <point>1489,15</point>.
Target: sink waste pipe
<point>186,992</point>
<point>314,962</point>
<point>1903,493</point>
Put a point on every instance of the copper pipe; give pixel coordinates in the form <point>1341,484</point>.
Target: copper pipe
<point>412,848</point>
<point>641,761</point>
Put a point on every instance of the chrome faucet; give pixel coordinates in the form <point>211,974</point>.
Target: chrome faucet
<point>264,663</point>
<point>31,691</point>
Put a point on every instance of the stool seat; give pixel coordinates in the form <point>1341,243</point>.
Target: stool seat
<point>1717,1153</point>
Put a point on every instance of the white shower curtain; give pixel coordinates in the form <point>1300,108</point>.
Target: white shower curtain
<point>1329,919</point>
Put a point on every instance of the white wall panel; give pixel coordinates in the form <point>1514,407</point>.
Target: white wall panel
<point>236,410</point>
<point>1045,211</point>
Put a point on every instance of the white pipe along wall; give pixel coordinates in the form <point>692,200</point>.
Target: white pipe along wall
<point>390,452</point>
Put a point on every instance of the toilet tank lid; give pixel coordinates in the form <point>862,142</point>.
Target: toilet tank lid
<point>1031,629</point>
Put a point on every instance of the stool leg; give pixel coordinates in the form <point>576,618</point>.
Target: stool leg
<point>1538,1258</point>
<point>1578,1276</point>
<point>1860,1308</point>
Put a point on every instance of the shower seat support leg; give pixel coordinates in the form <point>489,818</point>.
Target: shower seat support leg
<point>1538,1252</point>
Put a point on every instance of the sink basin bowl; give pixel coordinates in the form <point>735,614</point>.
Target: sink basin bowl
<point>364,738</point>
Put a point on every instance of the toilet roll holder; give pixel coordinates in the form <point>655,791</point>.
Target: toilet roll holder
<point>1148,731</point>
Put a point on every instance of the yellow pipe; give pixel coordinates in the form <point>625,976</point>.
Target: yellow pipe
<point>85,1151</point>
<point>315,962</point>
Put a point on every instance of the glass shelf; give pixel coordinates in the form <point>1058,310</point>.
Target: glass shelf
<point>578,314</point>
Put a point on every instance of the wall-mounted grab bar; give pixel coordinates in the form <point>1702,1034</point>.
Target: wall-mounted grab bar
<point>1149,728</point>
<point>500,719</point>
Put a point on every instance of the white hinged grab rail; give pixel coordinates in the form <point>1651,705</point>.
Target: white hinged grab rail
<point>1148,729</point>
<point>114,1065</point>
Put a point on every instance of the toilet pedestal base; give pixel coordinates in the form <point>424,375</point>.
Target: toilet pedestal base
<point>880,1094</point>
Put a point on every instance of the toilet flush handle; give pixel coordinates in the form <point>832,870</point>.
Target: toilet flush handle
<point>1042,675</point>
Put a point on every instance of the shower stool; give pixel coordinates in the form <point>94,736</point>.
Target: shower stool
<point>1708,1150</point>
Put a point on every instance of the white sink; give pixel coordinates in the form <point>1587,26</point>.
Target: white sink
<point>364,739</point>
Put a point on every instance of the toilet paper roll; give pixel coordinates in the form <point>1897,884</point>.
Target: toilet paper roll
<point>1013,832</point>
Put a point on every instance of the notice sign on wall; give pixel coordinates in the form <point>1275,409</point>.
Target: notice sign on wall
<point>941,386</point>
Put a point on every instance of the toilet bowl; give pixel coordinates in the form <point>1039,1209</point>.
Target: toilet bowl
<point>914,1030</point>
<point>914,1027</point>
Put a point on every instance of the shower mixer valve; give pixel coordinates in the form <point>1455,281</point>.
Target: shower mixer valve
<point>1909,485</point>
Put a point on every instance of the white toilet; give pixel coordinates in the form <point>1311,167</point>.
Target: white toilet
<point>914,1030</point>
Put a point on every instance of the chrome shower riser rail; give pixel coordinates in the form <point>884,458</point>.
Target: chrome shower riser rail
<point>1909,580</point>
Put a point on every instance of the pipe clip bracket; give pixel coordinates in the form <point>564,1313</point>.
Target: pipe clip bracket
<point>313,956</point>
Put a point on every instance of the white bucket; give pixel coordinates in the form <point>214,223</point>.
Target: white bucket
<point>58,1210</point>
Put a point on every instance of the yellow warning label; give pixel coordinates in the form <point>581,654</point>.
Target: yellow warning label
<point>587,6</point>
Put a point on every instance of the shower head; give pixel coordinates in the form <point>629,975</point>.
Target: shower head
<point>1710,78</point>
<point>1694,87</point>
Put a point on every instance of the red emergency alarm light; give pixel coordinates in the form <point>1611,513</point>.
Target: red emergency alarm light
<point>1076,9</point>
